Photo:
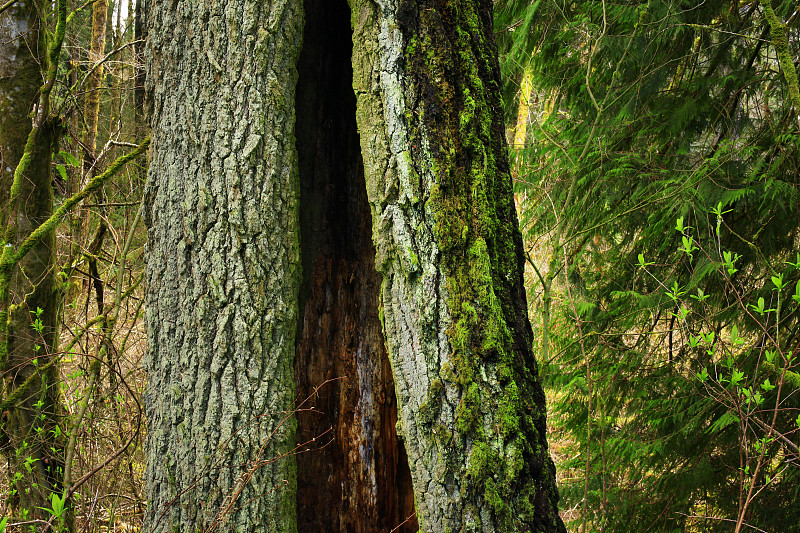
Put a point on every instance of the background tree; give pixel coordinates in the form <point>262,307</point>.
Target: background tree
<point>52,451</point>
<point>260,235</point>
<point>32,439</point>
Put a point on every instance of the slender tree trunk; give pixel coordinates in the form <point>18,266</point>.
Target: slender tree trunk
<point>92,116</point>
<point>94,83</point>
<point>32,417</point>
<point>524,111</point>
<point>139,34</point>
<point>471,409</point>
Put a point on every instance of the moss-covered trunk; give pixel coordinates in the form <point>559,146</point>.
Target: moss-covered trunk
<point>30,407</point>
<point>412,359</point>
<point>471,408</point>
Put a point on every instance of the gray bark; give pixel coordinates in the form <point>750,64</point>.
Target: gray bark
<point>223,269</point>
<point>224,262</point>
<point>471,408</point>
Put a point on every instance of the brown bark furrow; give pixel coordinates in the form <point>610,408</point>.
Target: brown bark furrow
<point>224,270</point>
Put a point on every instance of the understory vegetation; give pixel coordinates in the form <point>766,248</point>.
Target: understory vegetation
<point>657,178</point>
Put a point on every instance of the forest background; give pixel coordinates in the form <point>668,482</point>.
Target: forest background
<point>656,167</point>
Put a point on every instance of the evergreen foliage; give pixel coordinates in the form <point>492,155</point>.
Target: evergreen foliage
<point>660,186</point>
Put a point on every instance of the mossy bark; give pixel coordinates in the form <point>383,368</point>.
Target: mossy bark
<point>439,290</point>
<point>471,408</point>
<point>28,435</point>
<point>223,268</point>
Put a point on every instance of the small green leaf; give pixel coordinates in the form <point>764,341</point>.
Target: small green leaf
<point>701,296</point>
<point>728,261</point>
<point>759,308</point>
<point>796,264</point>
<point>69,159</point>
<point>737,340</point>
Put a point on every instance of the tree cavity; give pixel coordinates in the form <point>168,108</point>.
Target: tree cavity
<point>353,473</point>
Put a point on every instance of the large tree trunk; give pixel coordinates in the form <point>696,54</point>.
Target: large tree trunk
<point>223,270</point>
<point>30,406</point>
<point>472,410</point>
<point>412,358</point>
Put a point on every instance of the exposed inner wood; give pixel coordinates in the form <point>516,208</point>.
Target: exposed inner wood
<point>354,477</point>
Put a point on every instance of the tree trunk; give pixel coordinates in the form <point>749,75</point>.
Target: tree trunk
<point>30,408</point>
<point>223,272</point>
<point>471,408</point>
<point>94,84</point>
<point>413,368</point>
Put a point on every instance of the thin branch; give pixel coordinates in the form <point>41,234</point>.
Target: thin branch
<point>7,5</point>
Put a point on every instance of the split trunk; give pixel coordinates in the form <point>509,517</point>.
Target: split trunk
<point>337,321</point>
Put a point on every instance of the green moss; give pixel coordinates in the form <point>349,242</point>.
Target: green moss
<point>413,262</point>
<point>481,462</point>
<point>508,413</point>
<point>493,497</point>
<point>431,406</point>
<point>468,412</point>
<point>457,109</point>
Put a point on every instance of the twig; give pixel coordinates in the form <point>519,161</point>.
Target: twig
<point>5,6</point>
<point>398,526</point>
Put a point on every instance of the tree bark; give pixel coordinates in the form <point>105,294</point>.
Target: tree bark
<point>471,408</point>
<point>407,331</point>
<point>223,269</point>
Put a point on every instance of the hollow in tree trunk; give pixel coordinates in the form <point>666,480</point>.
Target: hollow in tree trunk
<point>332,229</point>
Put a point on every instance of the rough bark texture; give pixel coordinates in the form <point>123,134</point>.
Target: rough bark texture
<point>223,269</point>
<point>354,476</point>
<point>471,409</point>
<point>222,203</point>
<point>20,79</point>
<point>27,427</point>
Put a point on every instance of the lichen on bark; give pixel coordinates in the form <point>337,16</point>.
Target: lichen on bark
<point>223,269</point>
<point>471,406</point>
